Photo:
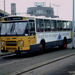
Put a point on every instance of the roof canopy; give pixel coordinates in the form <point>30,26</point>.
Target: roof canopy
<point>2,13</point>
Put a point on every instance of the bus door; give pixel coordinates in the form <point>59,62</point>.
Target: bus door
<point>32,32</point>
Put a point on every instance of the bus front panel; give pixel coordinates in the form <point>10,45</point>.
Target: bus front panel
<point>11,44</point>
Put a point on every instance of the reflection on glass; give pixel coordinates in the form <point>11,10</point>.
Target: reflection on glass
<point>14,28</point>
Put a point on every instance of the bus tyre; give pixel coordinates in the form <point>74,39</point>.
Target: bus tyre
<point>42,46</point>
<point>65,43</point>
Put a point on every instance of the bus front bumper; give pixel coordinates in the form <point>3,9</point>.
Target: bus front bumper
<point>13,49</point>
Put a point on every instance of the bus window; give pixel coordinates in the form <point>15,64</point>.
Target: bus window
<point>39,25</point>
<point>59,25</point>
<point>47,25</point>
<point>32,28</point>
<point>53,25</point>
<point>64,25</point>
<point>68,25</point>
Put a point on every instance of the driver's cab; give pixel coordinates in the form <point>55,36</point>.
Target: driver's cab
<point>31,31</point>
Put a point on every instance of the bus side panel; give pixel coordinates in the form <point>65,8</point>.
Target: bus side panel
<point>34,48</point>
<point>57,43</point>
<point>53,36</point>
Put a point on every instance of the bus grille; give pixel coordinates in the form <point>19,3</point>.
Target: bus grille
<point>11,48</point>
<point>11,43</point>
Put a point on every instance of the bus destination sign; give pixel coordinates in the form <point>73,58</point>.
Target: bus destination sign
<point>13,18</point>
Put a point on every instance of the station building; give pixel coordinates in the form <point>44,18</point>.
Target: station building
<point>40,9</point>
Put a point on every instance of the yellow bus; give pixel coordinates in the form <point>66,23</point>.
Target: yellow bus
<point>31,33</point>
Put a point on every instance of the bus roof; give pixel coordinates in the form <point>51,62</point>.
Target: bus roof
<point>37,17</point>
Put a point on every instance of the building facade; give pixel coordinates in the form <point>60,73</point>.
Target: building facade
<point>40,10</point>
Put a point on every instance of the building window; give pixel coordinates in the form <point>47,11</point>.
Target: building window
<point>30,12</point>
<point>48,11</point>
<point>39,12</point>
<point>34,11</point>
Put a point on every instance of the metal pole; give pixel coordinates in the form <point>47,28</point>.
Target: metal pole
<point>4,8</point>
<point>73,26</point>
<point>57,8</point>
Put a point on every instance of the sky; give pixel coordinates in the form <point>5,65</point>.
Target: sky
<point>64,9</point>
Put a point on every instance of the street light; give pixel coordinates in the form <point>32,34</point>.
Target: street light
<point>4,8</point>
<point>73,23</point>
<point>57,7</point>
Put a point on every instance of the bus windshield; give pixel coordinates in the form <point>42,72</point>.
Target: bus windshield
<point>13,28</point>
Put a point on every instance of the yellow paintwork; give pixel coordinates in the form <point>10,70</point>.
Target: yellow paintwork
<point>24,18</point>
<point>2,19</point>
<point>27,41</point>
<point>71,34</point>
<point>32,40</point>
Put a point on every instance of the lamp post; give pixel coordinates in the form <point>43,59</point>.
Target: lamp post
<point>57,7</point>
<point>4,8</point>
<point>73,23</point>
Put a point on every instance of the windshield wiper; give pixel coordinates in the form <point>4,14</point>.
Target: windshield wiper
<point>12,28</point>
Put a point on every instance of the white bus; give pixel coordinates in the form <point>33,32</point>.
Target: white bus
<point>31,33</point>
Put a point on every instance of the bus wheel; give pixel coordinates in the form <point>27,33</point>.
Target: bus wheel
<point>65,43</point>
<point>42,46</point>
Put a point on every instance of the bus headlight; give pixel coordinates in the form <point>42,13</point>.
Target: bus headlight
<point>2,43</point>
<point>21,43</point>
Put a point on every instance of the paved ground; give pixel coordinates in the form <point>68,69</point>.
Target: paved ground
<point>23,64</point>
<point>1,54</point>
